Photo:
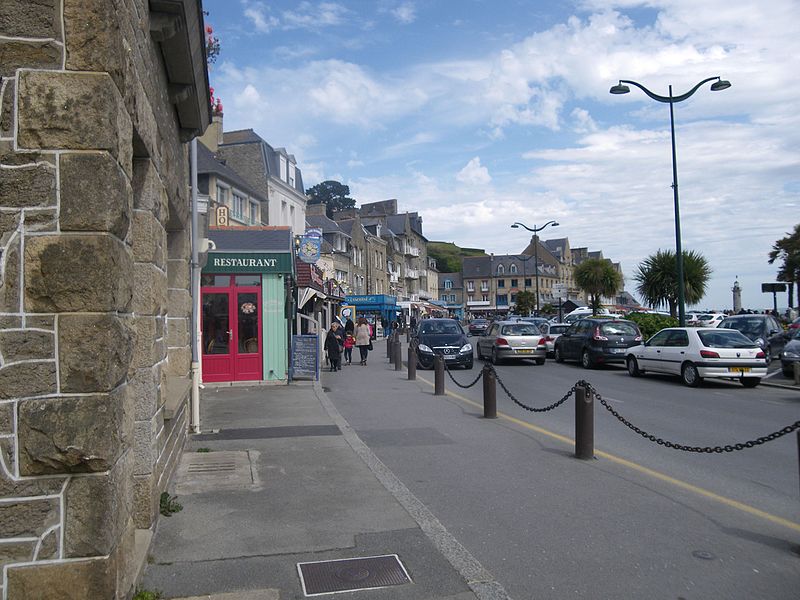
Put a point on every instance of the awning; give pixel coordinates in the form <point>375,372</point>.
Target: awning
<point>305,294</point>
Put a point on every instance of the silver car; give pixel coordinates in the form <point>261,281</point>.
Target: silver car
<point>512,340</point>
<point>551,332</point>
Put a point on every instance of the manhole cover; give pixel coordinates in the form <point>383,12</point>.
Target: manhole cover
<point>215,471</point>
<point>351,574</point>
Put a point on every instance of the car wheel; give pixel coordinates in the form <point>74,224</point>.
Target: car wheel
<point>750,382</point>
<point>469,366</point>
<point>690,375</point>
<point>633,367</point>
<point>586,360</point>
<point>540,361</point>
<point>494,358</point>
<point>558,356</point>
<point>768,353</point>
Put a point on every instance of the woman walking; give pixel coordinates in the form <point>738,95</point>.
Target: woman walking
<point>333,344</point>
<point>362,339</point>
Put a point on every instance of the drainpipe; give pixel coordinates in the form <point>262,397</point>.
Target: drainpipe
<point>194,422</point>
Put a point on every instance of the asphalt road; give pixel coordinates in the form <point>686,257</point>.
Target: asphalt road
<point>639,521</point>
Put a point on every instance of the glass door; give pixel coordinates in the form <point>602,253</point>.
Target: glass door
<point>217,336</point>
<point>247,360</point>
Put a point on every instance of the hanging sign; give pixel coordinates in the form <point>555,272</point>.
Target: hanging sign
<point>310,246</point>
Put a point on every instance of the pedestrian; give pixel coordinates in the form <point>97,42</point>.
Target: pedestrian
<point>349,342</point>
<point>349,326</point>
<point>363,340</point>
<point>385,326</point>
<point>413,323</point>
<point>333,345</point>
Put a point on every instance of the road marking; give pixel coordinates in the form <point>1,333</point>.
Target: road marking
<point>768,375</point>
<point>731,503</point>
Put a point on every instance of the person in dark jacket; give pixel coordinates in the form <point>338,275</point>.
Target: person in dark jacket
<point>333,345</point>
<point>349,326</point>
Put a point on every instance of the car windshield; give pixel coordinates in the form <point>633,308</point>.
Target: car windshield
<point>619,328</point>
<point>724,339</point>
<point>440,327</point>
<point>746,326</point>
<point>705,317</point>
<point>521,329</point>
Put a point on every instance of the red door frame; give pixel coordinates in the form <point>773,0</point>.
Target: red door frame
<point>232,366</point>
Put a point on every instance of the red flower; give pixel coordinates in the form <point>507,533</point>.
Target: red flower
<point>209,30</point>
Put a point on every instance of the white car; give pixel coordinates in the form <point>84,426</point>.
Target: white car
<point>696,354</point>
<point>710,320</point>
<point>551,335</point>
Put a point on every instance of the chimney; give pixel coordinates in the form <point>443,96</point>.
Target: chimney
<point>315,210</point>
<point>212,137</point>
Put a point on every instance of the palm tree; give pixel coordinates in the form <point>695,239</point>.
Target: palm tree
<point>658,279</point>
<point>597,277</point>
<point>788,251</point>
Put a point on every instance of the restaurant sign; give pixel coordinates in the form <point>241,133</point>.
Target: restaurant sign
<point>251,262</point>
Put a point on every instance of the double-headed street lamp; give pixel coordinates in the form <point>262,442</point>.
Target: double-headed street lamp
<point>535,230</point>
<point>719,84</point>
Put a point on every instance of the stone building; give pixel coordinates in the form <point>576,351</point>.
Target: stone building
<point>97,100</point>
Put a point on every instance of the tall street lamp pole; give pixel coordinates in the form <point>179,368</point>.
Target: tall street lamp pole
<point>719,84</point>
<point>535,230</point>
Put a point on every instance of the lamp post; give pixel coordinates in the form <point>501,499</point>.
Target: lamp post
<point>535,230</point>
<point>523,258</point>
<point>718,85</point>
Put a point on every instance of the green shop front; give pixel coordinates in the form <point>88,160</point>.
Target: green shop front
<point>245,300</point>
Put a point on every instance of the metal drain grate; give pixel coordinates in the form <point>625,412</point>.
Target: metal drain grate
<point>210,467</point>
<point>351,574</point>
<point>213,471</point>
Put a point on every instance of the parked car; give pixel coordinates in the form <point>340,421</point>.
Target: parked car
<point>445,337</point>
<point>478,326</point>
<point>764,330</point>
<point>695,354</point>
<point>551,335</point>
<point>512,340</point>
<point>791,353</point>
<point>709,320</point>
<point>597,341</point>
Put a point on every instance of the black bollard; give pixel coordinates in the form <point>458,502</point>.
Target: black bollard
<point>489,393</point>
<point>798,449</point>
<point>412,364</point>
<point>438,375</point>
<point>398,355</point>
<point>584,423</point>
<point>389,348</point>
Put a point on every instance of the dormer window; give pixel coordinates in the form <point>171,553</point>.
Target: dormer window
<point>500,269</point>
<point>283,168</point>
<point>448,284</point>
<point>512,268</point>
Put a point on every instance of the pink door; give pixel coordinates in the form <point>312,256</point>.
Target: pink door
<point>231,322</point>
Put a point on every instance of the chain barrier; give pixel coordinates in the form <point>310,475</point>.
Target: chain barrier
<point>700,449</point>
<point>531,408</point>
<point>461,385</point>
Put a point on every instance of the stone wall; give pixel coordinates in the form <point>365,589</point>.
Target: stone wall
<point>94,301</point>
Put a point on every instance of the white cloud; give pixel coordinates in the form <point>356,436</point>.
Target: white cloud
<point>406,13</point>
<point>315,16</point>
<point>256,12</point>
<point>474,174</point>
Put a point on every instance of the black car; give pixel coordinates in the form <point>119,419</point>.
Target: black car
<point>597,341</point>
<point>791,353</point>
<point>445,337</point>
<point>478,327</point>
<point>764,330</point>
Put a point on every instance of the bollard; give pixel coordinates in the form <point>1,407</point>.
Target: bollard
<point>489,393</point>
<point>796,367</point>
<point>389,348</point>
<point>798,447</point>
<point>398,356</point>
<point>408,336</point>
<point>438,375</point>
<point>584,423</point>
<point>412,364</point>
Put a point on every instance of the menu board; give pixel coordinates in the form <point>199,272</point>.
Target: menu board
<point>305,357</point>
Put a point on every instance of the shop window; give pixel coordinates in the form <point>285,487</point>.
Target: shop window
<point>215,280</point>
<point>252,280</point>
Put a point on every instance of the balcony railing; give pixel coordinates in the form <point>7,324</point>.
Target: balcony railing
<point>478,303</point>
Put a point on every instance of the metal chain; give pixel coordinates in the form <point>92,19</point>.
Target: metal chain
<point>447,370</point>
<point>701,449</point>
<point>525,406</point>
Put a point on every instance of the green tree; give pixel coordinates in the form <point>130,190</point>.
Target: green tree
<point>597,277</point>
<point>657,278</point>
<point>526,303</point>
<point>334,195</point>
<point>787,251</point>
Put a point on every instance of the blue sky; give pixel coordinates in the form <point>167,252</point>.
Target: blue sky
<point>481,113</point>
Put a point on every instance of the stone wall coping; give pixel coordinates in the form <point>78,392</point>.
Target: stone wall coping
<point>178,389</point>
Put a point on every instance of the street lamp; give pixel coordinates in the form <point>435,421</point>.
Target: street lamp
<point>718,85</point>
<point>535,230</point>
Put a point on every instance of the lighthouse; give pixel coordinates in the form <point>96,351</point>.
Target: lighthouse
<point>737,296</point>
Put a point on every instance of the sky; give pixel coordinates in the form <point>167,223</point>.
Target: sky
<point>477,114</point>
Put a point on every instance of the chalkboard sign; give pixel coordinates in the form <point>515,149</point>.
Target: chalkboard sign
<point>305,357</point>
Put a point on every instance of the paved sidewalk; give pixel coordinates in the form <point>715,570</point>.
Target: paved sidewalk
<point>285,480</point>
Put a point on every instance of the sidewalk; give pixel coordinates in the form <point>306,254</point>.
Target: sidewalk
<point>285,480</point>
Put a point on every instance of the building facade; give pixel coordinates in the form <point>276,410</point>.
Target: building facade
<point>97,101</point>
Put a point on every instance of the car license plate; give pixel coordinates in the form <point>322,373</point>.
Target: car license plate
<point>617,350</point>
<point>449,356</point>
<point>525,351</point>
<point>738,369</point>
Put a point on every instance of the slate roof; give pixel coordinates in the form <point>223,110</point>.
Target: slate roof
<point>251,239</point>
<point>269,154</point>
<point>208,163</point>
<point>241,136</point>
<point>326,224</point>
<point>454,277</point>
<point>476,266</point>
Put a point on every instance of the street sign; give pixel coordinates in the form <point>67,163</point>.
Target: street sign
<point>771,288</point>
<point>560,291</point>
